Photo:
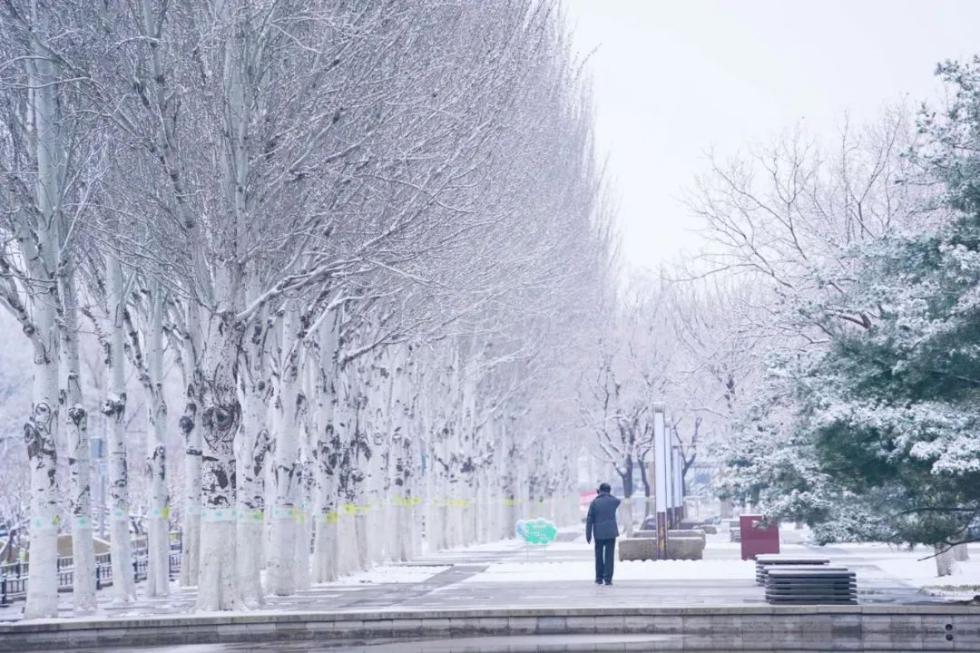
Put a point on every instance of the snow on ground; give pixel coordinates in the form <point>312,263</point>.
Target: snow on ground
<point>532,571</point>
<point>917,568</point>
<point>575,545</point>
<point>498,545</point>
<point>390,574</point>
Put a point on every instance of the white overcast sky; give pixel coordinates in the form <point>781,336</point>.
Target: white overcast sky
<point>673,79</point>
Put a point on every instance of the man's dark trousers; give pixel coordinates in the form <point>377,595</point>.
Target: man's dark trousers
<point>604,555</point>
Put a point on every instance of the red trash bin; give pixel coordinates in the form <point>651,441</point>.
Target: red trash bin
<point>756,537</point>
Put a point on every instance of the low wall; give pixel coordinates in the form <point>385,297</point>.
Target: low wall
<point>752,628</point>
<point>685,548</point>
<point>637,548</point>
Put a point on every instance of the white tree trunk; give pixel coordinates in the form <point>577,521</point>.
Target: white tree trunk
<point>484,507</point>
<point>253,448</point>
<point>251,452</point>
<point>362,536</point>
<point>327,452</point>
<point>217,588</point>
<point>191,526</point>
<point>303,528</point>
<point>158,522</point>
<point>434,528</point>
<point>435,519</point>
<point>375,420</point>
<point>348,471</point>
<point>360,440</point>
<point>41,246</point>
<point>290,406</point>
<point>191,437</point>
<point>39,435</point>
<point>400,501</point>
<point>325,545</point>
<point>114,408</point>
<point>221,414</point>
<point>303,532</point>
<point>346,541</point>
<point>410,512</point>
<point>79,457</point>
<point>944,560</point>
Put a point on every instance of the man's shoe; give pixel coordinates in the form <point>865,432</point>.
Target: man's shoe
<point>599,582</point>
<point>608,582</point>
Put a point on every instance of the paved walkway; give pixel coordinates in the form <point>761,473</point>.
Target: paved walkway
<point>507,574</point>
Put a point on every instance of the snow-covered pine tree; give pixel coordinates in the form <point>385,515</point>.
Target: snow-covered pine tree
<point>872,435</point>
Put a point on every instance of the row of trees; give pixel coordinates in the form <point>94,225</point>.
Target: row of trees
<point>863,258</point>
<point>670,342</point>
<point>343,252</point>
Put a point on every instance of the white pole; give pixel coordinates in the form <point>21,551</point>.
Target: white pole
<point>669,476</point>
<point>678,483</point>
<point>660,461</point>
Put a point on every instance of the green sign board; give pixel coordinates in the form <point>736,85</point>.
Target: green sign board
<point>536,531</point>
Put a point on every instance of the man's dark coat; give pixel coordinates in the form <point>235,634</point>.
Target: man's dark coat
<point>601,520</point>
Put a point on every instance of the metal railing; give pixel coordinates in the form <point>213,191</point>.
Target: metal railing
<point>13,576</point>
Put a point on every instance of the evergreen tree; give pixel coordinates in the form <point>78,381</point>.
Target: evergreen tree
<point>876,435</point>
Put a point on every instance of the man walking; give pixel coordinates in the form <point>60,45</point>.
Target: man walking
<point>601,522</point>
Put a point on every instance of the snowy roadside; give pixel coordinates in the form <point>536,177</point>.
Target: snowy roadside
<point>918,569</point>
<point>664,570</point>
<point>389,574</point>
<point>915,567</point>
<point>572,560</point>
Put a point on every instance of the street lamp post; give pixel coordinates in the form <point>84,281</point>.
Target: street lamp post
<point>660,460</point>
